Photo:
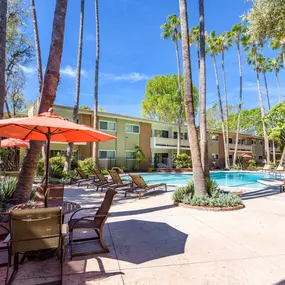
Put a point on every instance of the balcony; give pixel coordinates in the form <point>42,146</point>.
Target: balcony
<point>170,143</point>
<point>241,147</point>
<point>277,151</point>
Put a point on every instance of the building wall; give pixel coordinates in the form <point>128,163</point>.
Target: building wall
<point>145,134</point>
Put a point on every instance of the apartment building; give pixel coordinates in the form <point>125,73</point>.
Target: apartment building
<point>158,140</point>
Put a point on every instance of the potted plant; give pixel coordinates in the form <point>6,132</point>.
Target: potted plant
<point>150,168</point>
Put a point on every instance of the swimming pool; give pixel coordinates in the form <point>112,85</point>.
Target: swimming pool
<point>226,179</point>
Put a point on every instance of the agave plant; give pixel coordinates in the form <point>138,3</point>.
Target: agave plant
<point>7,188</point>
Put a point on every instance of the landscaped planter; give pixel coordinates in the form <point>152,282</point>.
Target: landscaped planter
<point>174,170</point>
<point>207,208</point>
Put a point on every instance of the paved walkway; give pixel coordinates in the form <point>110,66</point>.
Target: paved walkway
<point>152,242</point>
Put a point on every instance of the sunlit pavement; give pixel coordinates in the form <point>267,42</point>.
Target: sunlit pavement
<point>153,242</point>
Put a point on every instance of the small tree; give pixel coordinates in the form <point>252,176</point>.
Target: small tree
<point>138,155</point>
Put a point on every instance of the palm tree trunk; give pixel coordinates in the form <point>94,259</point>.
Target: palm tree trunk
<point>95,121</point>
<point>278,86</point>
<point>67,163</point>
<point>283,54</point>
<point>264,125</point>
<point>266,89</point>
<point>240,102</point>
<point>37,44</point>
<point>198,173</point>
<point>3,25</point>
<point>7,107</point>
<point>221,110</point>
<point>226,105</point>
<point>179,97</point>
<point>50,84</point>
<point>282,157</point>
<point>202,92</point>
<point>274,152</point>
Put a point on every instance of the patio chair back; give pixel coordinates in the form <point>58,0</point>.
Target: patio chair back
<point>81,173</point>
<point>55,192</point>
<point>115,177</point>
<point>138,180</point>
<point>35,229</point>
<point>267,167</point>
<point>106,205</point>
<point>280,168</point>
<point>100,175</point>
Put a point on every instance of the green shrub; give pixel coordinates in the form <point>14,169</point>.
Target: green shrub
<point>40,169</point>
<point>236,166</point>
<point>104,171</point>
<point>183,191</point>
<point>57,171</point>
<point>87,165</point>
<point>7,188</point>
<point>251,164</point>
<point>57,160</point>
<point>223,200</point>
<point>212,187</point>
<point>182,161</point>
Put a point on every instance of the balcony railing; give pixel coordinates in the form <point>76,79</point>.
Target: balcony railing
<point>158,142</point>
<point>241,147</point>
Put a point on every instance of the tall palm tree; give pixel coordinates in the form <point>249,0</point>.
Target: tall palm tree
<point>277,44</point>
<point>202,89</point>
<point>37,44</point>
<point>3,25</point>
<point>250,45</point>
<point>276,64</point>
<point>238,30</point>
<point>77,90</point>
<point>171,30</point>
<point>198,173</point>
<point>224,42</point>
<point>213,50</point>
<point>95,119</point>
<point>50,84</point>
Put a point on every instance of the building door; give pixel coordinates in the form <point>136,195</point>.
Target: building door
<point>160,158</point>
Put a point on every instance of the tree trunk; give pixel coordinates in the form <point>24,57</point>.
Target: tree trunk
<point>198,173</point>
<point>95,121</point>
<point>50,84</point>
<point>240,101</point>
<point>274,152</point>
<point>67,163</point>
<point>278,86</point>
<point>221,110</point>
<point>179,97</point>
<point>37,44</point>
<point>281,163</point>
<point>262,110</point>
<point>3,25</point>
<point>202,92</point>
<point>226,105</point>
<point>266,89</point>
<point>7,108</point>
<point>283,54</point>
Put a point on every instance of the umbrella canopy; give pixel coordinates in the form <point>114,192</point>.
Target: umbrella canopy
<point>14,143</point>
<point>246,155</point>
<point>51,127</point>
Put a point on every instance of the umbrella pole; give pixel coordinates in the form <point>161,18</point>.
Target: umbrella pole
<point>47,169</point>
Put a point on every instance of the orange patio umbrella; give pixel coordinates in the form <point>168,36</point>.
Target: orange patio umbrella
<point>50,127</point>
<point>12,142</point>
<point>246,155</point>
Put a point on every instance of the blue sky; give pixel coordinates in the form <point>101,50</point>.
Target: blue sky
<point>132,51</point>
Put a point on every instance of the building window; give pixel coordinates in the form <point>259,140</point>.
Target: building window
<point>261,142</point>
<point>185,136</point>
<point>182,136</point>
<point>161,134</point>
<point>130,155</point>
<point>269,144</point>
<point>215,138</point>
<point>107,154</point>
<point>215,156</point>
<point>108,126</point>
<point>260,157</point>
<point>134,129</point>
<point>230,140</point>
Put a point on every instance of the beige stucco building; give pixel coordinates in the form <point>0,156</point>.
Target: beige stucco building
<point>158,140</point>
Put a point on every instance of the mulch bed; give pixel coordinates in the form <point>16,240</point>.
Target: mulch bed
<point>215,209</point>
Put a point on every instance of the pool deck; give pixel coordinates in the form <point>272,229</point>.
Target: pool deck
<point>152,242</point>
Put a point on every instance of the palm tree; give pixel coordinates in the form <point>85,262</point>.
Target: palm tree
<point>198,173</point>
<point>250,45</point>
<point>37,44</point>
<point>170,29</point>
<point>3,25</point>
<point>95,120</point>
<point>277,44</point>
<point>213,49</point>
<point>50,84</point>
<point>77,91</point>
<point>276,64</point>
<point>224,42</point>
<point>200,39</point>
<point>238,30</point>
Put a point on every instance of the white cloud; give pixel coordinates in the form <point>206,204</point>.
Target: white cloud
<point>131,77</point>
<point>71,72</point>
<point>28,69</point>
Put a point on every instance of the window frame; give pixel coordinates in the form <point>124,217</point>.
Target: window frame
<point>107,155</point>
<point>215,140</point>
<point>107,126</point>
<point>126,155</point>
<point>215,156</point>
<point>128,124</point>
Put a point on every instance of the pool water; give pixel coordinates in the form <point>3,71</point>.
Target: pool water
<point>226,179</point>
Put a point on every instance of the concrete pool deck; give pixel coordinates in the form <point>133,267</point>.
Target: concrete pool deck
<point>153,242</point>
